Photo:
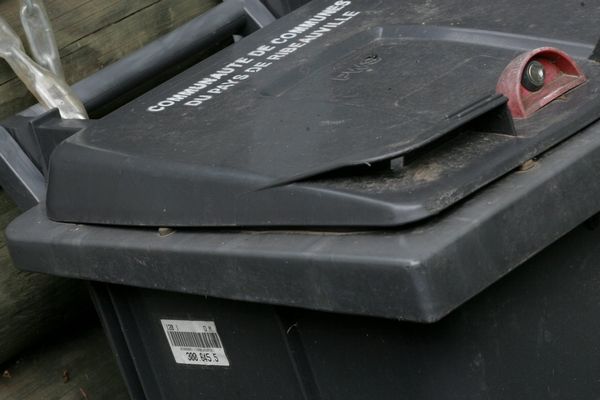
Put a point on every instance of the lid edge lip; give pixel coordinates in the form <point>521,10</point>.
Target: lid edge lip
<point>63,245</point>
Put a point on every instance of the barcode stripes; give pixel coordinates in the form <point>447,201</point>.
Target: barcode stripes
<point>207,340</point>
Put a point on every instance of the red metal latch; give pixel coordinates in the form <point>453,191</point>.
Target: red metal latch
<point>536,78</point>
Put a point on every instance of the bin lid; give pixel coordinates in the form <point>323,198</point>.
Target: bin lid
<point>416,273</point>
<point>341,114</point>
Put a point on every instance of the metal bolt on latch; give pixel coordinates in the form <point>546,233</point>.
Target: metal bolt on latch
<point>533,76</point>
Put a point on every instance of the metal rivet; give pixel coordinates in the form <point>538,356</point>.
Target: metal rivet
<point>534,76</point>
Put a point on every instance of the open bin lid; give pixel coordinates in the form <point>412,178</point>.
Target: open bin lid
<point>336,115</point>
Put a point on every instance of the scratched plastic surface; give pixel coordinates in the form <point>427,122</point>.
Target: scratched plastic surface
<point>283,127</point>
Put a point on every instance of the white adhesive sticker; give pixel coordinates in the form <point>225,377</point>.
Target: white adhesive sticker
<point>195,342</point>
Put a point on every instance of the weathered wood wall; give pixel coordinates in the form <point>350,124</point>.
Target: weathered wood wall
<point>92,34</point>
<point>31,304</point>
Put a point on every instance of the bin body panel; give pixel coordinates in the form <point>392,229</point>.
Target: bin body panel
<point>531,335</point>
<point>260,364</point>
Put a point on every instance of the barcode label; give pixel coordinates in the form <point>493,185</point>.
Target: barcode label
<point>195,342</point>
<point>195,339</point>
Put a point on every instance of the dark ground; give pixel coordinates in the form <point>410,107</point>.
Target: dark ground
<point>71,366</point>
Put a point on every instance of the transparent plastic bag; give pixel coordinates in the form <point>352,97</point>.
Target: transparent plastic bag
<point>50,90</point>
<point>40,36</point>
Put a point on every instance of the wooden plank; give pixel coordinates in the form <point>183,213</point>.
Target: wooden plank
<point>92,34</point>
<point>77,366</point>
